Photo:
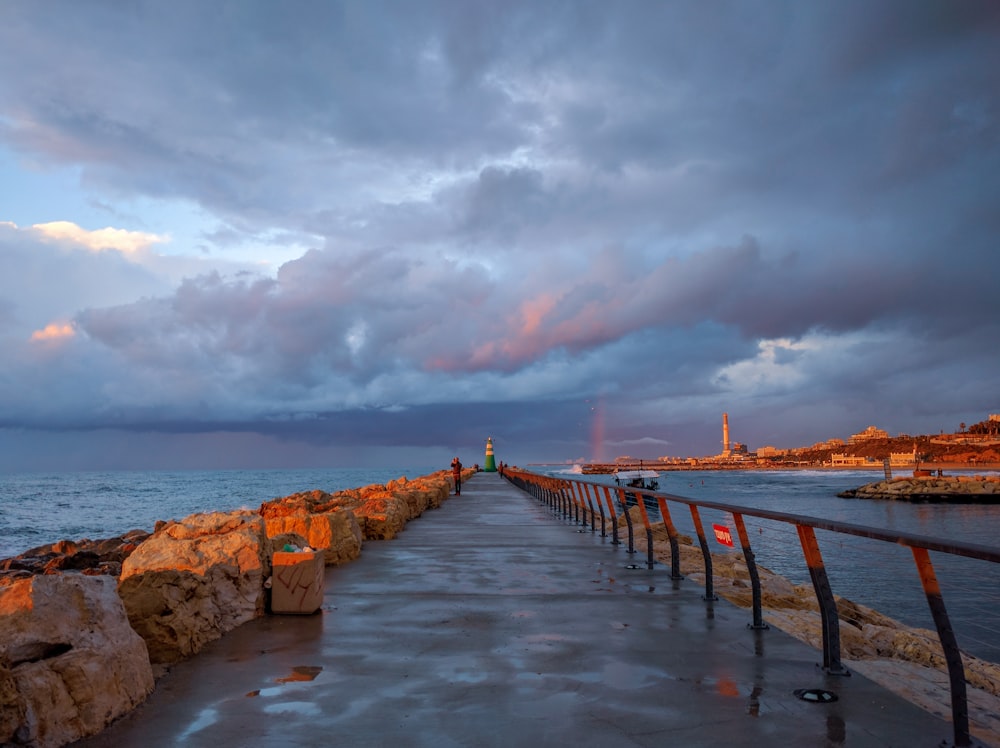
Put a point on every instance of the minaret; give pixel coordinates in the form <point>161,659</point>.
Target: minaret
<point>725,433</point>
<point>490,466</point>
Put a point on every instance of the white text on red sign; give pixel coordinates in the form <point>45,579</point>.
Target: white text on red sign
<point>723,535</point>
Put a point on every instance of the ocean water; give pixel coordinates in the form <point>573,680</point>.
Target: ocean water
<point>40,508</point>
<point>877,574</point>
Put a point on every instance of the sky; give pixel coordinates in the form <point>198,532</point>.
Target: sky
<point>302,234</point>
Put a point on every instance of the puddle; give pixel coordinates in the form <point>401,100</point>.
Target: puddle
<point>205,718</point>
<point>305,708</point>
<point>301,673</point>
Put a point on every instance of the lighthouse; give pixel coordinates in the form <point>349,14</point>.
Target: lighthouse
<point>490,466</point>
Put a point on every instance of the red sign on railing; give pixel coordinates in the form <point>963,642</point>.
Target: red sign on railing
<point>723,535</point>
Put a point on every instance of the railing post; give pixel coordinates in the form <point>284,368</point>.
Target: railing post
<point>741,529</point>
<point>590,504</point>
<point>709,581</point>
<point>600,508</point>
<point>628,519</point>
<point>952,654</point>
<point>614,515</point>
<point>577,502</point>
<point>675,555</point>
<point>571,496</point>
<point>827,603</point>
<point>640,501</point>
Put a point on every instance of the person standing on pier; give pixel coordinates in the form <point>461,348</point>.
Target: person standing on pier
<point>456,471</point>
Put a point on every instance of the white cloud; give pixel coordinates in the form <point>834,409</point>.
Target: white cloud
<point>99,240</point>
<point>54,331</point>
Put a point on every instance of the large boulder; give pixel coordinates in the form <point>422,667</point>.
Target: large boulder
<point>381,514</point>
<point>69,661</point>
<point>194,580</point>
<point>336,533</point>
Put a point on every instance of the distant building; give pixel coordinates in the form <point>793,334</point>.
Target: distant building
<point>902,458</point>
<point>868,434</point>
<point>770,451</point>
<point>839,459</point>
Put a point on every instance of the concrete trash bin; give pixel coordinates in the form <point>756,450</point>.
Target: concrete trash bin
<point>297,582</point>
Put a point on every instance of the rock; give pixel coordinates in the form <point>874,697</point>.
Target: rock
<point>69,661</point>
<point>89,556</point>
<point>958,489</point>
<point>381,514</point>
<point>194,580</point>
<point>336,533</point>
<point>420,494</point>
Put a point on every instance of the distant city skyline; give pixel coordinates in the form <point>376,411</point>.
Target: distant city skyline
<point>330,234</point>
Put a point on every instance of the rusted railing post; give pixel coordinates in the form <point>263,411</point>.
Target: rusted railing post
<point>703,541</point>
<point>590,506</point>
<point>675,554</point>
<point>574,504</point>
<point>628,519</point>
<point>640,501</point>
<point>827,603</point>
<point>952,654</point>
<point>585,506</point>
<point>600,508</point>
<point>614,515</point>
<point>577,503</point>
<point>741,529</point>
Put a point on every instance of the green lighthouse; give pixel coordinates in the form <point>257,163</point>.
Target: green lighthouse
<point>490,466</point>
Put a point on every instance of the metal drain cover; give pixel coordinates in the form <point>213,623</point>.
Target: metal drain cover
<point>816,695</point>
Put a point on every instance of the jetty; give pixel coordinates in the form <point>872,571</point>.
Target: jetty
<point>490,621</point>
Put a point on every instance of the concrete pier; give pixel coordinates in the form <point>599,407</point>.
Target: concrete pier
<point>492,622</point>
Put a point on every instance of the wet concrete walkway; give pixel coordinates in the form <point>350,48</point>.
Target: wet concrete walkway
<point>492,622</point>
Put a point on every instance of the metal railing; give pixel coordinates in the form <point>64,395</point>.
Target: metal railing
<point>579,500</point>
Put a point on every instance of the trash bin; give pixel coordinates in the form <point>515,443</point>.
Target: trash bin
<point>297,581</point>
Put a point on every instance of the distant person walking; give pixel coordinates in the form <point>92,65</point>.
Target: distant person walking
<point>456,471</point>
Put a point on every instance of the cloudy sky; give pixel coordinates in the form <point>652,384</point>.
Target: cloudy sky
<point>373,233</point>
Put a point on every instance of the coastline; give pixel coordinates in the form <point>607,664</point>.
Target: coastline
<point>606,468</point>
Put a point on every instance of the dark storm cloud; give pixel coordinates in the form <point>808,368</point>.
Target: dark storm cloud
<point>681,208</point>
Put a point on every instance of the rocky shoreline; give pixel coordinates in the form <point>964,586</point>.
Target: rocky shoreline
<point>963,489</point>
<point>87,626</point>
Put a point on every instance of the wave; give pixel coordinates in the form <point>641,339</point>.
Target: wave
<point>572,470</point>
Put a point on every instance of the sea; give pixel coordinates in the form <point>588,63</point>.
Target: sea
<point>41,508</point>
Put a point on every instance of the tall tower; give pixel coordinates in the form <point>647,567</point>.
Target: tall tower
<point>725,433</point>
<point>490,465</point>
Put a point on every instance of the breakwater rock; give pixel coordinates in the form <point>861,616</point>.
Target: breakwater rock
<point>86,556</point>
<point>953,489</point>
<point>85,625</point>
<point>194,580</point>
<point>69,661</point>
